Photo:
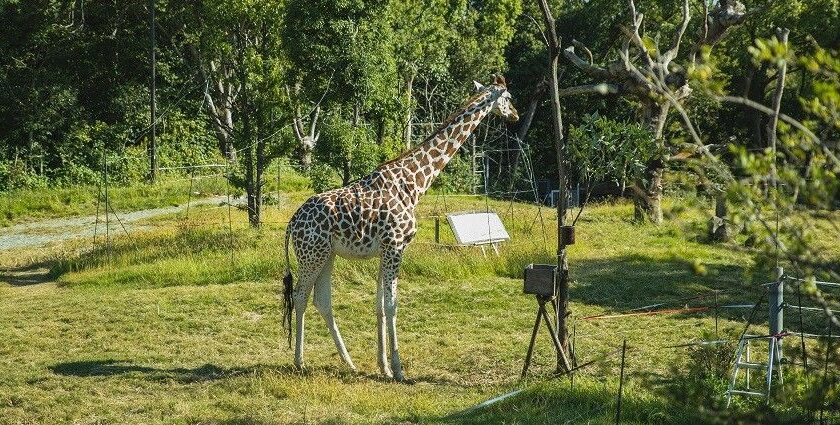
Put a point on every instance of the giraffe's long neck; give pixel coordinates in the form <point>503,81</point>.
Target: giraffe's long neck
<point>429,158</point>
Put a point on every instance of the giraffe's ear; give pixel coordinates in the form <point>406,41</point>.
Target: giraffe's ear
<point>499,80</point>
<point>478,86</point>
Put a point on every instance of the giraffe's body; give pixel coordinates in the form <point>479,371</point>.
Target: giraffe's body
<point>375,217</point>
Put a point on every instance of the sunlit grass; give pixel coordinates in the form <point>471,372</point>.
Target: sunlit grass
<point>181,324</point>
<point>173,189</point>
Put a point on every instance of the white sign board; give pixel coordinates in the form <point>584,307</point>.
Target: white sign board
<point>477,228</point>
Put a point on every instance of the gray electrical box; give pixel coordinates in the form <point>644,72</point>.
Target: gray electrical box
<point>540,279</point>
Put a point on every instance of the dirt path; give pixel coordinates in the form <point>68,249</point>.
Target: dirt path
<point>40,233</point>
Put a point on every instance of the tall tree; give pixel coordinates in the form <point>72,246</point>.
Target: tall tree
<point>238,48</point>
<point>651,76</point>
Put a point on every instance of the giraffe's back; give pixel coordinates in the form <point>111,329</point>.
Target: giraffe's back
<point>352,221</point>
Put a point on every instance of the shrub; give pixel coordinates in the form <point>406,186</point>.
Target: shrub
<point>15,175</point>
<point>323,177</point>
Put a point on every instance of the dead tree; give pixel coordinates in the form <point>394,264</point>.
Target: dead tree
<point>650,78</point>
<point>220,96</point>
<point>307,138</point>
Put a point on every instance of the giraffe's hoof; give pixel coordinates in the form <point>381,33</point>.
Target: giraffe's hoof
<point>387,373</point>
<point>399,377</point>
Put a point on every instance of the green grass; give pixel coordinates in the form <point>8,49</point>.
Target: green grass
<point>182,325</point>
<point>34,204</point>
<point>27,205</point>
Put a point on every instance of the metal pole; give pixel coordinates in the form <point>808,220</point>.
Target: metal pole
<point>777,308</point>
<point>802,331</point>
<point>107,215</point>
<point>153,165</point>
<point>620,384</point>
<point>717,335</point>
<point>824,388</point>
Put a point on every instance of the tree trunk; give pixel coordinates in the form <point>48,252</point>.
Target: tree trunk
<point>249,142</point>
<point>755,90</point>
<point>522,130</point>
<point>407,135</point>
<point>306,161</point>
<point>380,131</point>
<point>345,173</point>
<point>719,229</point>
<point>647,199</point>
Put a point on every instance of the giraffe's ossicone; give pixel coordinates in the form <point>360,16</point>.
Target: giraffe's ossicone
<point>375,216</point>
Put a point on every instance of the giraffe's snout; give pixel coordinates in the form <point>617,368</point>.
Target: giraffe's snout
<point>513,116</point>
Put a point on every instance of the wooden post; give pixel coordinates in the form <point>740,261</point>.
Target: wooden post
<point>437,229</point>
<point>533,339</point>
<point>562,300</point>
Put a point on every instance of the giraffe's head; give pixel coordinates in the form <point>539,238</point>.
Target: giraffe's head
<point>500,96</point>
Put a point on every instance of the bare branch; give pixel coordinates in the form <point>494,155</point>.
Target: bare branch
<point>671,54</point>
<point>601,88</point>
<point>314,122</point>
<point>589,68</point>
<point>588,52</point>
<point>727,14</point>
<point>777,100</point>
<point>537,26</point>
<point>553,41</point>
<point>635,36</point>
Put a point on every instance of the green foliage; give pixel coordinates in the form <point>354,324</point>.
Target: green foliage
<point>323,177</point>
<point>360,69</point>
<point>771,50</point>
<point>350,150</point>
<point>457,177</point>
<point>602,150</point>
<point>15,176</point>
<point>701,378</point>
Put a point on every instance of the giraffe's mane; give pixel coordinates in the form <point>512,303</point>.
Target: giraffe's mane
<point>458,112</point>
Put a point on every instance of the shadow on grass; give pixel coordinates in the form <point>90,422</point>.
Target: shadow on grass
<point>110,367</point>
<point>634,281</point>
<point>32,274</point>
<point>210,372</point>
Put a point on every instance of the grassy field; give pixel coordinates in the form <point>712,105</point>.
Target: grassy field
<point>182,325</point>
<point>173,189</point>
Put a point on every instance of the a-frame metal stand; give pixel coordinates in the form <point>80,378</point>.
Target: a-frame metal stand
<point>743,357</point>
<point>743,360</point>
<point>542,300</point>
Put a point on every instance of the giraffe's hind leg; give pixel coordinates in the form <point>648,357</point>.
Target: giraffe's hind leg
<point>323,302</point>
<point>310,270</point>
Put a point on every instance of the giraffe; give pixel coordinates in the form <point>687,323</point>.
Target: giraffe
<point>375,216</point>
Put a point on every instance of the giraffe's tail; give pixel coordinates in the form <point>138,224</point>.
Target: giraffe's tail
<point>288,289</point>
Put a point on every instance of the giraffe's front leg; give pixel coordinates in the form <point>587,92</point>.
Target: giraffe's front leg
<point>390,270</point>
<point>381,335</point>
